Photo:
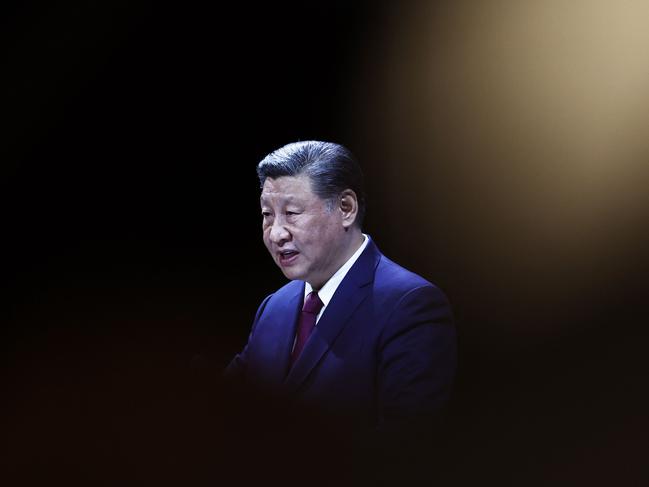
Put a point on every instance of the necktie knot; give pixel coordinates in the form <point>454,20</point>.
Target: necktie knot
<point>312,304</point>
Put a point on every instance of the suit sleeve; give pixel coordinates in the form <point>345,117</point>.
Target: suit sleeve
<point>417,358</point>
<point>236,369</point>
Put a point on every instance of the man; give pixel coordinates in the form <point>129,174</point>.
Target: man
<point>352,333</point>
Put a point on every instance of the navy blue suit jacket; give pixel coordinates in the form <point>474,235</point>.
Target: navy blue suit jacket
<point>384,348</point>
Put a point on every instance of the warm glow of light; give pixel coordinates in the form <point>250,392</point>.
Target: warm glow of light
<point>522,129</point>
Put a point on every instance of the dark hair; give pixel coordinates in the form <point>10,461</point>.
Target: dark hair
<point>331,168</point>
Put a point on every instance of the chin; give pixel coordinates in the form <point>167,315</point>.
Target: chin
<point>293,274</point>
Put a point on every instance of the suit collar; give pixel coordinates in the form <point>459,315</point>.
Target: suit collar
<point>280,322</point>
<point>350,294</point>
<point>327,291</point>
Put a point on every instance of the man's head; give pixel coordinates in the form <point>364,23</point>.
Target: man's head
<point>312,204</point>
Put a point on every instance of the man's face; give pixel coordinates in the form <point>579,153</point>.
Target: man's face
<point>304,236</point>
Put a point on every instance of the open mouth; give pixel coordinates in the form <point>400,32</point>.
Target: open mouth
<point>287,256</point>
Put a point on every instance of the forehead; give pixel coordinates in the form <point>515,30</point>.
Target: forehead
<point>287,188</point>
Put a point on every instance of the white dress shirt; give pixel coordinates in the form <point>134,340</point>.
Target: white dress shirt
<point>327,291</point>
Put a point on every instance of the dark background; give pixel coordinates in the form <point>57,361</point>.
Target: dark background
<point>133,262</point>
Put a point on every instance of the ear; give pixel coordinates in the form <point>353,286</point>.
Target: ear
<point>348,205</point>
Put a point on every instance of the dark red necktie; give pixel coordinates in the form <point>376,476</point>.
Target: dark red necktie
<point>311,308</point>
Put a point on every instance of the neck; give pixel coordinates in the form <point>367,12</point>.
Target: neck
<point>356,240</point>
<point>353,239</point>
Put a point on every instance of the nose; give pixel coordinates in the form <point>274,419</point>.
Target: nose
<point>279,235</point>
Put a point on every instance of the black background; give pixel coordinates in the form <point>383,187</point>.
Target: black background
<point>133,264</point>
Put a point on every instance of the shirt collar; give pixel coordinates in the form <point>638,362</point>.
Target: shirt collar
<point>329,288</point>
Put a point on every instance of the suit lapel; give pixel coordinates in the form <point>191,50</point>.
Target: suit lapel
<point>350,294</point>
<point>279,335</point>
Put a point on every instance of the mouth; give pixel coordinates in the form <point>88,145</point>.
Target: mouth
<point>287,257</point>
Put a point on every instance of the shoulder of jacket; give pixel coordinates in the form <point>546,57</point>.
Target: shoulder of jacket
<point>398,277</point>
<point>287,290</point>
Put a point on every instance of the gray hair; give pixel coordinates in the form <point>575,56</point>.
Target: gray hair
<point>331,168</point>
